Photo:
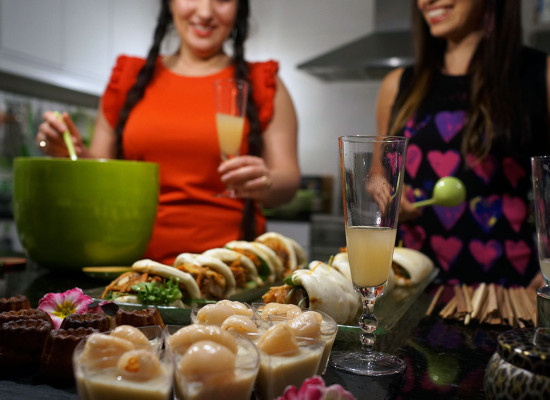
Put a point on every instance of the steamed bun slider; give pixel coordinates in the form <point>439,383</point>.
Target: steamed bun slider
<point>242,267</point>
<point>214,278</point>
<point>410,266</point>
<point>150,282</point>
<point>283,247</point>
<point>265,260</point>
<point>320,288</point>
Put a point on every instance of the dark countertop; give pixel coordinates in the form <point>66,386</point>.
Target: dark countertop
<point>444,358</point>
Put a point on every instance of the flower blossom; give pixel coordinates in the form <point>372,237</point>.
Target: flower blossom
<point>59,305</point>
<point>314,389</point>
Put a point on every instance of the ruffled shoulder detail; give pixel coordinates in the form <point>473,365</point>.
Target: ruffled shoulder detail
<point>123,77</point>
<point>263,76</point>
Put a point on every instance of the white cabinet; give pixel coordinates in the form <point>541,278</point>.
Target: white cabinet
<point>73,43</point>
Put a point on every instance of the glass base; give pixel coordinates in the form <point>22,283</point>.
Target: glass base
<point>373,363</point>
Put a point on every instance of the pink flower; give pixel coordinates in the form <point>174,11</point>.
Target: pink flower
<point>59,305</point>
<point>314,389</point>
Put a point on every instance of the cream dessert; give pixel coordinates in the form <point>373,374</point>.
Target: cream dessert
<point>285,360</point>
<point>111,367</point>
<point>211,363</point>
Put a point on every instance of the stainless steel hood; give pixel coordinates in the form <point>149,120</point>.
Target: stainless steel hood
<point>372,56</point>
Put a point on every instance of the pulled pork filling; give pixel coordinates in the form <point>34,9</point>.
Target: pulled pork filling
<point>286,294</point>
<point>212,284</point>
<point>278,247</point>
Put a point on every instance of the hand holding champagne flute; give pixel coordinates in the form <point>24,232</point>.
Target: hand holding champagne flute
<point>372,169</point>
<point>230,96</point>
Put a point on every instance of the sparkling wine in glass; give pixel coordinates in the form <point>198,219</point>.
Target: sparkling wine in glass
<point>372,179</point>
<point>230,97</point>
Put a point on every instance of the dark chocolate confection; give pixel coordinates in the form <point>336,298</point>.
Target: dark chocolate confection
<point>30,313</point>
<point>147,317</point>
<point>14,303</point>
<point>22,341</point>
<point>56,362</point>
<point>100,322</point>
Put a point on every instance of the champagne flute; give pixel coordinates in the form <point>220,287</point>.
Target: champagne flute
<point>372,169</point>
<point>230,96</point>
<point>540,166</point>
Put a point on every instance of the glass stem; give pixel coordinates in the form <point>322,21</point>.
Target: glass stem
<point>368,324</point>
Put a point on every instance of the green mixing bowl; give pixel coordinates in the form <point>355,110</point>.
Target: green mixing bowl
<point>73,214</point>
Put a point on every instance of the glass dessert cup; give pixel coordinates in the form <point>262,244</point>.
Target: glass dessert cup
<point>230,96</point>
<point>232,384</point>
<point>328,331</point>
<point>102,377</point>
<point>372,179</point>
<point>279,370</point>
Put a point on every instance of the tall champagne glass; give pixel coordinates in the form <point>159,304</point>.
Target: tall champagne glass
<point>540,166</point>
<point>372,178</point>
<point>230,96</point>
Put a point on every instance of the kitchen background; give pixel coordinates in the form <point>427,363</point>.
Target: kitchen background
<point>58,54</point>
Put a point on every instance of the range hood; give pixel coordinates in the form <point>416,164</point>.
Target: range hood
<point>372,56</point>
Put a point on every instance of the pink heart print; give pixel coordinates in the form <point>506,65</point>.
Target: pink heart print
<point>444,164</point>
<point>483,169</point>
<point>486,253</point>
<point>414,158</point>
<point>513,171</point>
<point>449,123</point>
<point>486,211</point>
<point>446,250</point>
<point>412,127</point>
<point>449,216</point>
<point>515,211</point>
<point>413,237</point>
<point>518,253</point>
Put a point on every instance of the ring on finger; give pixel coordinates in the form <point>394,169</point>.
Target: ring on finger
<point>42,143</point>
<point>266,181</point>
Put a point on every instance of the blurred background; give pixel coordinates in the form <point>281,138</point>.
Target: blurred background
<point>58,55</point>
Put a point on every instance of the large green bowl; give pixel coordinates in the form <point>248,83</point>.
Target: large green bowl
<point>72,214</point>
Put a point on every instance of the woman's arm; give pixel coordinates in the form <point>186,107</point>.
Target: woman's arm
<point>274,178</point>
<point>386,98</point>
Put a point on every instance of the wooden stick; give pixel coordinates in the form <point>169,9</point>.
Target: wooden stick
<point>466,293</point>
<point>478,299</point>
<point>435,300</point>
<point>449,309</point>
<point>508,312</point>
<point>461,307</point>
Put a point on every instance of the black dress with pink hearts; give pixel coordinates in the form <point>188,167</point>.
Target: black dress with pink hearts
<point>490,237</point>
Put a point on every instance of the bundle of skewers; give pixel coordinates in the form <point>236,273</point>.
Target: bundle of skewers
<point>488,304</point>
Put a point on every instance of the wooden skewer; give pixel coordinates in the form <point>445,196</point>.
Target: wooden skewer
<point>478,299</point>
<point>508,312</point>
<point>466,293</point>
<point>461,308</point>
<point>435,300</point>
<point>449,309</point>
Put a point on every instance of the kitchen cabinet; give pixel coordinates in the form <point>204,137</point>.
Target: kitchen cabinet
<point>72,44</point>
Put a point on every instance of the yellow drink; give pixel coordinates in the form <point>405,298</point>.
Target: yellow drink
<point>370,252</point>
<point>230,133</point>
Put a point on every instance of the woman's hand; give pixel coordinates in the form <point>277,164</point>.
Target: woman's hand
<point>49,138</point>
<point>407,211</point>
<point>247,175</point>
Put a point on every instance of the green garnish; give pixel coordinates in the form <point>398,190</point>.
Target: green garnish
<point>289,281</point>
<point>155,294</point>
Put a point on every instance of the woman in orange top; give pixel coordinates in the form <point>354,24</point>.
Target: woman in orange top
<point>161,110</point>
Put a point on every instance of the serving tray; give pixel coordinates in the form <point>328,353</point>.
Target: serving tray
<point>182,316</point>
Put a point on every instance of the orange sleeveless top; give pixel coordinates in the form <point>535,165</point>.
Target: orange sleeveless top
<point>174,126</point>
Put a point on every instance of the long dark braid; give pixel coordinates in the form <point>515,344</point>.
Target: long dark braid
<point>255,141</point>
<point>145,74</point>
